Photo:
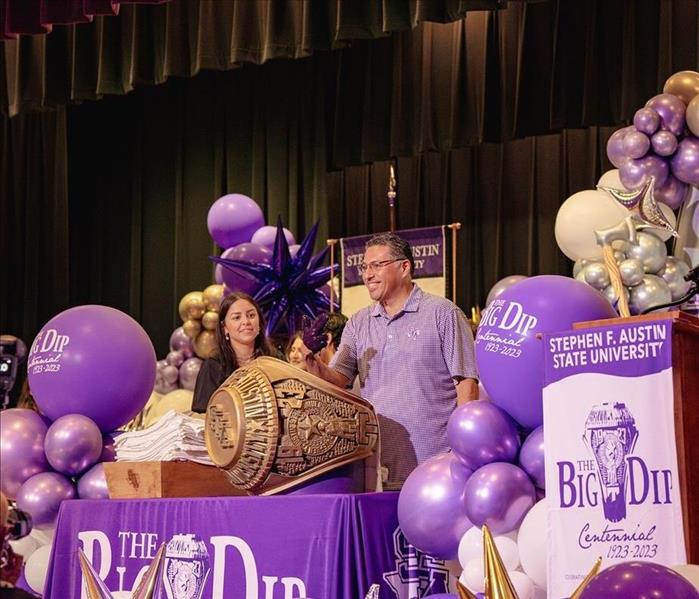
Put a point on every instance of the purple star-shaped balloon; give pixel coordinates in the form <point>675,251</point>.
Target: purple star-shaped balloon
<point>290,286</point>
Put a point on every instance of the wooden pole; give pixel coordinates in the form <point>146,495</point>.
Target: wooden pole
<point>454,228</point>
<point>331,243</point>
<point>391,200</point>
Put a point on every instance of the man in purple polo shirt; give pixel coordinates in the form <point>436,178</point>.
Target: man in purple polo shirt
<point>413,353</point>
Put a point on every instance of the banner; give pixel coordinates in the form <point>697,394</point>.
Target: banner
<point>430,265</point>
<point>611,461</point>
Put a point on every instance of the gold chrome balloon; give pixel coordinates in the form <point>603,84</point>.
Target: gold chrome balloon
<point>213,295</point>
<point>683,84</point>
<point>210,320</point>
<point>205,344</point>
<point>192,306</point>
<point>191,328</point>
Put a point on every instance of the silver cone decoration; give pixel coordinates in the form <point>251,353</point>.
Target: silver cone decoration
<point>94,586</point>
<point>146,588</point>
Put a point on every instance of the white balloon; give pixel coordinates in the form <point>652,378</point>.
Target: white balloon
<point>25,546</point>
<point>473,576</point>
<point>690,572</point>
<point>664,234</point>
<point>523,585</point>
<point>471,547</point>
<point>36,567</point>
<point>611,179</point>
<point>580,216</point>
<point>44,536</point>
<point>532,543</point>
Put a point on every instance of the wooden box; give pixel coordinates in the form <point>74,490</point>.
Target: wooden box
<point>143,480</point>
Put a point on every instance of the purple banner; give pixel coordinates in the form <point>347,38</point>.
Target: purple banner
<point>428,251</point>
<point>313,547</point>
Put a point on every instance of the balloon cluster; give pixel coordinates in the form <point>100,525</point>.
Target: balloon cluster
<point>199,313</point>
<point>180,367</point>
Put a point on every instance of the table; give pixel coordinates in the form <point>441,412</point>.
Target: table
<point>314,546</point>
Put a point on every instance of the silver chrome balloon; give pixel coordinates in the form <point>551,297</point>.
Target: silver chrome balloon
<point>650,250</point>
<point>579,265</point>
<point>673,274</point>
<point>652,291</point>
<point>619,256</point>
<point>596,275</point>
<point>611,295</point>
<point>621,245</point>
<point>631,271</point>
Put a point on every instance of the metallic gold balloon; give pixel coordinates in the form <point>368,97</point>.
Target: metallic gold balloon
<point>192,306</point>
<point>94,587</point>
<point>191,328</point>
<point>683,84</point>
<point>210,320</point>
<point>692,116</point>
<point>146,587</point>
<point>205,344</point>
<point>497,582</point>
<point>213,295</point>
<point>590,575</point>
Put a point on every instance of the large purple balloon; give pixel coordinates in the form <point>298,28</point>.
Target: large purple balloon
<point>93,484</point>
<point>22,456</point>
<point>233,219</point>
<point>237,280</point>
<point>499,495</point>
<point>531,457</point>
<point>510,356</point>
<point>615,146</point>
<point>95,361</point>
<point>73,443</point>
<point>685,162</point>
<point>267,235</point>
<point>646,120</point>
<point>671,111</point>
<point>480,432</point>
<point>640,580</point>
<point>180,342</point>
<point>431,509</point>
<point>189,372</point>
<point>41,497</point>
<point>634,173</point>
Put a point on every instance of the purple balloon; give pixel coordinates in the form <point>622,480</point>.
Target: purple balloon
<point>615,146</point>
<point>531,457</point>
<point>175,358</point>
<point>431,509</point>
<point>41,497</point>
<point>93,484</point>
<point>543,304</point>
<point>95,361</point>
<point>232,219</point>
<point>636,144</point>
<point>267,235</point>
<point>503,284</point>
<point>671,111</point>
<point>673,193</point>
<point>180,342</point>
<point>480,432</point>
<point>294,249</point>
<point>108,451</point>
<point>22,434</point>
<point>237,280</point>
<point>169,374</point>
<point>685,162</point>
<point>73,443</point>
<point>639,579</point>
<point>634,173</point>
<point>499,495</point>
<point>189,371</point>
<point>646,120</point>
<point>664,143</point>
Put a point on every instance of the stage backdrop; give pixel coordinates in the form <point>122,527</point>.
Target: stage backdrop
<point>430,265</point>
<point>611,461</point>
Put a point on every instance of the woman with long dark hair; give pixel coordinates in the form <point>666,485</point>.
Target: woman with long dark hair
<point>240,337</point>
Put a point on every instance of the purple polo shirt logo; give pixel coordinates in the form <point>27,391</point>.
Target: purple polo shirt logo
<point>413,333</point>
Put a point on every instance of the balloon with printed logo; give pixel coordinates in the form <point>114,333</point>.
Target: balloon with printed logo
<point>503,284</point>
<point>233,219</point>
<point>95,361</point>
<point>41,497</point>
<point>73,443</point>
<point>22,434</point>
<point>509,341</point>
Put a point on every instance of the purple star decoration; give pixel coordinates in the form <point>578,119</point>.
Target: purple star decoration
<point>290,286</point>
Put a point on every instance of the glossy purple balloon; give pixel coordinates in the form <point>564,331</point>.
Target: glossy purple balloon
<point>502,285</point>
<point>175,358</point>
<point>22,434</point>
<point>673,193</point>
<point>189,371</point>
<point>266,236</point>
<point>233,219</point>
<point>499,495</point>
<point>95,361</point>
<point>634,173</point>
<point>41,497</point>
<point>237,280</point>
<point>480,432</point>
<point>646,120</point>
<point>180,342</point>
<point>640,580</point>
<point>664,143</point>
<point>615,146</point>
<point>636,144</point>
<point>93,484</point>
<point>542,304</point>
<point>531,457</point>
<point>73,443</point>
<point>108,451</point>
<point>671,111</point>
<point>431,508</point>
<point>685,162</point>
<point>294,249</point>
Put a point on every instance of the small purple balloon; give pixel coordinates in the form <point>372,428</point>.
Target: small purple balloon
<point>169,374</point>
<point>671,111</point>
<point>685,162</point>
<point>501,286</point>
<point>431,509</point>
<point>180,342</point>
<point>673,193</point>
<point>108,451</point>
<point>73,443</point>
<point>636,144</point>
<point>499,495</point>
<point>93,484</point>
<point>233,219</point>
<point>639,579</point>
<point>189,371</point>
<point>664,143</point>
<point>175,358</point>
<point>267,235</point>
<point>646,120</point>
<point>22,434</point>
<point>41,497</point>
<point>615,146</point>
<point>480,432</point>
<point>634,173</point>
<point>531,457</point>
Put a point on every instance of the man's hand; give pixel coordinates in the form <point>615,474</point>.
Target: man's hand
<point>313,336</point>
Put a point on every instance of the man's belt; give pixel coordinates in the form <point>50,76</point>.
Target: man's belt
<point>272,426</point>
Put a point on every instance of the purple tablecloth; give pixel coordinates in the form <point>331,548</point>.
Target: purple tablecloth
<point>320,547</point>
